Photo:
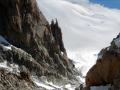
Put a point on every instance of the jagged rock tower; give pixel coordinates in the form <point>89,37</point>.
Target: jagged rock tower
<point>35,45</point>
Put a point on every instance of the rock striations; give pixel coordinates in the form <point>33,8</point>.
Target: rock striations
<point>107,68</point>
<point>35,47</point>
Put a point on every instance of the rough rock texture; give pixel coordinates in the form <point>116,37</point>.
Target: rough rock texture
<point>107,68</point>
<point>10,81</point>
<point>36,45</point>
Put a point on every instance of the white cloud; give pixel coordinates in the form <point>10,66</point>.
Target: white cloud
<point>85,26</point>
<point>79,1</point>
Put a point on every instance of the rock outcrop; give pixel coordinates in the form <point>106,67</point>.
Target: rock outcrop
<point>9,81</point>
<point>107,68</point>
<point>35,46</point>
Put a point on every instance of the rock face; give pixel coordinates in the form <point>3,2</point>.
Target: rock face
<point>13,82</point>
<point>107,68</point>
<point>34,45</point>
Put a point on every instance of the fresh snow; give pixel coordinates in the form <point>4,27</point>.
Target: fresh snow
<point>117,42</point>
<point>43,83</point>
<point>40,84</point>
<point>13,68</point>
<point>69,87</point>
<point>5,48</point>
<point>100,55</point>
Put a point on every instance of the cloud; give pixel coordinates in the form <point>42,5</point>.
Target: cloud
<point>79,1</point>
<point>85,26</point>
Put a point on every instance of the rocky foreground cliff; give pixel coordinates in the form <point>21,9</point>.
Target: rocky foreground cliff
<point>31,48</point>
<point>107,68</point>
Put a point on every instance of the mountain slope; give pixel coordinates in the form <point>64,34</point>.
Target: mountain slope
<point>30,48</point>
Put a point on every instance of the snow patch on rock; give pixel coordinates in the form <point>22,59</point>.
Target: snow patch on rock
<point>43,83</point>
<point>13,68</point>
<point>6,48</point>
<point>40,84</point>
<point>100,56</point>
<point>117,41</point>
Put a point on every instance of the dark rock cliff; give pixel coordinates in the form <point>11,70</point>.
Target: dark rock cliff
<point>107,68</point>
<point>35,44</point>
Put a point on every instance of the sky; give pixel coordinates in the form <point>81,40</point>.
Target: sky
<point>108,3</point>
<point>87,27</point>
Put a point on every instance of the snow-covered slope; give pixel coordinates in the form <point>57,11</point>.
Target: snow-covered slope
<point>42,82</point>
<point>86,27</point>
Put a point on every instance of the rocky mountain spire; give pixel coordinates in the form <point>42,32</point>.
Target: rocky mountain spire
<point>34,44</point>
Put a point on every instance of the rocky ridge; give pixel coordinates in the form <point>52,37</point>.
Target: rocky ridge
<point>31,46</point>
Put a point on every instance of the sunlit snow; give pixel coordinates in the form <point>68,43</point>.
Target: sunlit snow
<point>13,68</point>
<point>44,83</point>
<point>49,85</point>
<point>40,84</point>
<point>101,88</point>
<point>117,41</point>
